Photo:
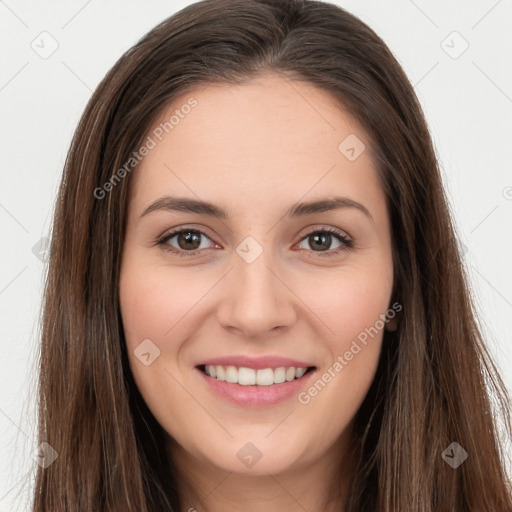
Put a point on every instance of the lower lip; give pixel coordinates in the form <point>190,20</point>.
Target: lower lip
<point>256,396</point>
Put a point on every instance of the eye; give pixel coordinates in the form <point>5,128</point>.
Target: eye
<point>322,239</point>
<point>189,241</point>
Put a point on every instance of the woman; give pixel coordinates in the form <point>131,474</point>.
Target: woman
<point>315,347</point>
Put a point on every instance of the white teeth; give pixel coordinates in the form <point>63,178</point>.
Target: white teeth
<point>231,374</point>
<point>279,375</point>
<point>251,377</point>
<point>265,377</point>
<point>219,370</point>
<point>300,372</point>
<point>246,376</point>
<point>290,374</point>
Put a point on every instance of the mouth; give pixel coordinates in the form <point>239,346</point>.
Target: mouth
<point>245,376</point>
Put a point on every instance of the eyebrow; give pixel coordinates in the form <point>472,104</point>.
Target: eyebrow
<point>184,204</point>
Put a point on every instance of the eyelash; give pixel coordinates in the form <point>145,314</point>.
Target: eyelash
<point>346,242</point>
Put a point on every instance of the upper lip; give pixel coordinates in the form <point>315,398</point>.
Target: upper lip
<point>256,363</point>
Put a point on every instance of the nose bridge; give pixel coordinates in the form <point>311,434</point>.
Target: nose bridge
<point>252,268</point>
<point>256,299</point>
<point>256,284</point>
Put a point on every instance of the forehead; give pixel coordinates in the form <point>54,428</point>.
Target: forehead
<point>268,138</point>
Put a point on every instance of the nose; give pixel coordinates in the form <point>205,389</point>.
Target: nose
<point>257,302</point>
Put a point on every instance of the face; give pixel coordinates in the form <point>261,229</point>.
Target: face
<point>268,284</point>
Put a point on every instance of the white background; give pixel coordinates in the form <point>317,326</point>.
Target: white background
<point>467,101</point>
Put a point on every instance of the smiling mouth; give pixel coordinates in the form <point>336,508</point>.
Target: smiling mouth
<point>252,377</point>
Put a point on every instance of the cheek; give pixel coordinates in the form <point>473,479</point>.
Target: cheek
<point>153,304</point>
<point>356,310</point>
<point>154,307</point>
<point>147,311</point>
<point>348,303</point>
<point>351,307</point>
<point>166,306</point>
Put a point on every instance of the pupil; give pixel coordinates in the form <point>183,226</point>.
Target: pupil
<point>325,238</point>
<point>189,238</point>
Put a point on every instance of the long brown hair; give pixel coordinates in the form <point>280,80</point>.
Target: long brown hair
<point>435,382</point>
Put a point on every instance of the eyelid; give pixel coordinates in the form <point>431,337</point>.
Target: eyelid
<point>316,228</point>
<point>163,239</point>
<point>344,238</point>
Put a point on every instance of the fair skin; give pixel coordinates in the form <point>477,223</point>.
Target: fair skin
<point>255,150</point>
